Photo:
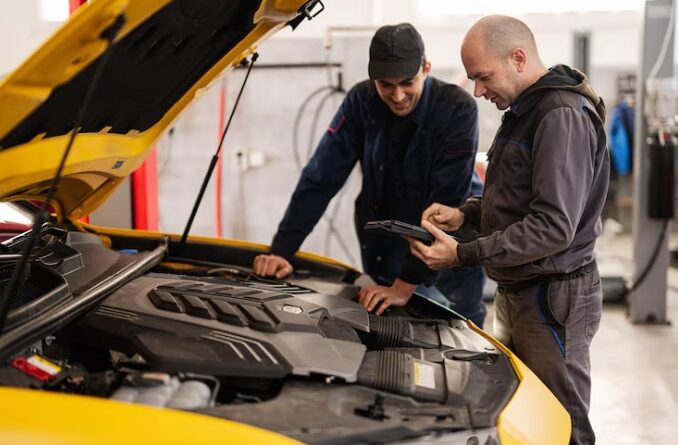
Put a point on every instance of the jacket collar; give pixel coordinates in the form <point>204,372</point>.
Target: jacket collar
<point>418,115</point>
<point>525,101</point>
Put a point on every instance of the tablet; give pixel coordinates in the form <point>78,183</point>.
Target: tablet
<point>399,228</point>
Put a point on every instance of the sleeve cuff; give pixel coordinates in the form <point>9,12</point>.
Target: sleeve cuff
<point>471,211</point>
<point>283,249</point>
<point>468,253</point>
<point>471,216</point>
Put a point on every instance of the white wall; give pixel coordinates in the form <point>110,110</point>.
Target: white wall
<point>22,30</point>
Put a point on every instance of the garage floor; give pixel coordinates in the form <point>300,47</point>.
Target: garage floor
<point>635,380</point>
<point>634,397</point>
<point>635,369</point>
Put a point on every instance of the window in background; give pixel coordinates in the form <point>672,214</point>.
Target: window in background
<point>582,52</point>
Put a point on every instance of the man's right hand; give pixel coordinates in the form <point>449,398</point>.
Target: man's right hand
<point>444,217</point>
<point>271,266</point>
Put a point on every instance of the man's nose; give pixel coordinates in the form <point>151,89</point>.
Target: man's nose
<point>479,89</point>
<point>398,95</point>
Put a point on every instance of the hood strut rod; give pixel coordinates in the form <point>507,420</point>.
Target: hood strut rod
<point>42,216</point>
<point>215,157</point>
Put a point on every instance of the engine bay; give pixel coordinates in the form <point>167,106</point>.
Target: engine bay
<point>137,323</point>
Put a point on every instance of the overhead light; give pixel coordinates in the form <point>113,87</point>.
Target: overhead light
<point>54,10</point>
<point>433,8</point>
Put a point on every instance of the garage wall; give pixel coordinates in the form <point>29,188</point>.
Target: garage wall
<point>22,30</point>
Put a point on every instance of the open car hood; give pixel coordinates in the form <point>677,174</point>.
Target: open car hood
<point>167,53</point>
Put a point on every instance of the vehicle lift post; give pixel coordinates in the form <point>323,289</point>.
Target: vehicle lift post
<point>647,301</point>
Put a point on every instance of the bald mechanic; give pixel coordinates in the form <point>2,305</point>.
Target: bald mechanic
<point>415,138</point>
<point>539,215</point>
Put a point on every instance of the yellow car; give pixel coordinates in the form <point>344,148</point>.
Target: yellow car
<point>121,336</point>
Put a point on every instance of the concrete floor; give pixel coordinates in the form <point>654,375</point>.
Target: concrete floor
<point>634,398</point>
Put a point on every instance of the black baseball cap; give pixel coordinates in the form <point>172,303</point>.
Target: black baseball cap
<point>395,51</point>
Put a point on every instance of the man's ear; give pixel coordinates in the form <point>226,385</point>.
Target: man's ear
<point>426,69</point>
<point>518,58</point>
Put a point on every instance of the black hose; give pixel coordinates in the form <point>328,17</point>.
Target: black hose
<point>653,259</point>
<point>297,122</point>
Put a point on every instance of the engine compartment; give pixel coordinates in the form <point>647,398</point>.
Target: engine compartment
<point>299,356</point>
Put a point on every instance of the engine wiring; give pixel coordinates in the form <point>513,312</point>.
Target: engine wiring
<point>296,151</point>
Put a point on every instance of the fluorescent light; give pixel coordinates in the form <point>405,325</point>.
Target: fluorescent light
<point>54,10</point>
<point>433,8</point>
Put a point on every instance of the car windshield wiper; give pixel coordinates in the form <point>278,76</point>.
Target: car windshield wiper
<point>43,215</point>
<point>215,158</point>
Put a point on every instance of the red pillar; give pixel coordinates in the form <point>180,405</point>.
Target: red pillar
<point>75,4</point>
<point>144,185</point>
<point>145,194</point>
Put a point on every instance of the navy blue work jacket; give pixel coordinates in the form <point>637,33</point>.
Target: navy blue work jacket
<point>438,167</point>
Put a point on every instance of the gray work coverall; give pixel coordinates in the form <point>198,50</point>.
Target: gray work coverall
<point>539,217</point>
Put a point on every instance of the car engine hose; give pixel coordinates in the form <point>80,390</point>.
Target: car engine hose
<point>390,332</point>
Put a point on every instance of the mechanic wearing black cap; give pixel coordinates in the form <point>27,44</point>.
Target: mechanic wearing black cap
<point>416,139</point>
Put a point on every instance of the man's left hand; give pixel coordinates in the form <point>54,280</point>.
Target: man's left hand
<point>396,295</point>
<point>441,254</point>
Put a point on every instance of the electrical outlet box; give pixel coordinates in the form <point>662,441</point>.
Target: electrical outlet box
<point>246,159</point>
